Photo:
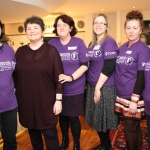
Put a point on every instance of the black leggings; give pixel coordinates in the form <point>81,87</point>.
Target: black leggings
<point>133,134</point>
<point>75,127</point>
<point>105,140</point>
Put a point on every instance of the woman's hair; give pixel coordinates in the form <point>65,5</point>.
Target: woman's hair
<point>94,35</point>
<point>68,20</point>
<point>36,20</point>
<point>137,15</point>
<point>2,30</point>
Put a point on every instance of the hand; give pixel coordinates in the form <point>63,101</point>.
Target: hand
<point>97,95</point>
<point>64,78</point>
<point>132,107</point>
<point>57,107</point>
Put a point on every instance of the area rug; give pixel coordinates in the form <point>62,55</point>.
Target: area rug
<point>118,138</point>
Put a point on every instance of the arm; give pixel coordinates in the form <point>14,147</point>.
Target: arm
<point>109,66</point>
<point>58,69</point>
<point>77,74</point>
<point>138,89</point>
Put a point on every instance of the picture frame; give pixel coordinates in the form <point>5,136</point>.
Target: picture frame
<point>145,36</point>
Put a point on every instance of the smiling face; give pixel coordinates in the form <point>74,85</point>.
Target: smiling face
<point>100,26</point>
<point>133,30</point>
<point>34,32</point>
<point>63,29</point>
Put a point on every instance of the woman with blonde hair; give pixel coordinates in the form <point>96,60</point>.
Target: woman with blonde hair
<point>101,91</point>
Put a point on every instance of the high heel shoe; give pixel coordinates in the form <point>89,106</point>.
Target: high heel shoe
<point>65,143</point>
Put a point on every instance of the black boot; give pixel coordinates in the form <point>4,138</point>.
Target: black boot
<point>76,146</point>
<point>100,147</point>
<point>97,147</point>
<point>65,143</point>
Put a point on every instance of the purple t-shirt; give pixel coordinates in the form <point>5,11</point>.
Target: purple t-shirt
<point>7,65</point>
<point>72,55</point>
<point>146,92</point>
<point>128,62</point>
<point>107,50</point>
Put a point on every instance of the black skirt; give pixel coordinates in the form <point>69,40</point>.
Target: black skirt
<point>73,105</point>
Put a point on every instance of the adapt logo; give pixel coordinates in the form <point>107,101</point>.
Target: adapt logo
<point>74,56</point>
<point>110,53</point>
<point>124,60</point>
<point>146,65</point>
<point>97,53</point>
<point>65,56</point>
<point>7,65</point>
<point>129,60</point>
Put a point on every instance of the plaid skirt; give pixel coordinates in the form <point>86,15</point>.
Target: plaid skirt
<point>101,116</point>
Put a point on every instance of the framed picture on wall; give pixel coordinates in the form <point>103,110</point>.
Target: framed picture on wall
<point>46,39</point>
<point>145,36</point>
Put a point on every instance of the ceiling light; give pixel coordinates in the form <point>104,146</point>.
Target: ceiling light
<point>133,7</point>
<point>102,9</point>
<point>69,12</point>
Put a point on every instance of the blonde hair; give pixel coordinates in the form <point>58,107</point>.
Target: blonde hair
<point>94,36</point>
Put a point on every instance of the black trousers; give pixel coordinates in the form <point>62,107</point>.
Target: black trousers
<point>50,136</point>
<point>9,129</point>
<point>133,134</point>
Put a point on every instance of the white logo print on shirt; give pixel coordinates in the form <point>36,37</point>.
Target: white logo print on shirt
<point>146,65</point>
<point>74,56</point>
<point>124,60</point>
<point>7,65</point>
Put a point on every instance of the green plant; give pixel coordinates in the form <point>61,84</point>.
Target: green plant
<point>22,43</point>
<point>5,37</point>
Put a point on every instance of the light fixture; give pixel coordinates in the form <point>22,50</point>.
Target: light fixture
<point>69,12</point>
<point>102,9</point>
<point>133,7</point>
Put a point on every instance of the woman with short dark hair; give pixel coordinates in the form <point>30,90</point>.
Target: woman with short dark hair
<point>8,102</point>
<point>73,54</point>
<point>38,90</point>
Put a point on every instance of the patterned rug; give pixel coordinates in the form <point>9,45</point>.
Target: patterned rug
<point>118,138</point>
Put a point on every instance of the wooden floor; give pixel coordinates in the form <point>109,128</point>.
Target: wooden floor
<point>89,138</point>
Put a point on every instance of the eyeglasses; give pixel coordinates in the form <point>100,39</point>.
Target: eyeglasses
<point>99,23</point>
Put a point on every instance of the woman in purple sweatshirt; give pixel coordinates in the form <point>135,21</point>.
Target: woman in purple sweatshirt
<point>8,102</point>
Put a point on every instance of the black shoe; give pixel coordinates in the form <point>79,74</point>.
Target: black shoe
<point>100,147</point>
<point>65,143</point>
<point>97,147</point>
<point>76,146</point>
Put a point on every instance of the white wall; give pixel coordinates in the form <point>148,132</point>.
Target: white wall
<point>112,21</point>
<point>84,33</point>
<point>146,16</point>
<point>16,37</point>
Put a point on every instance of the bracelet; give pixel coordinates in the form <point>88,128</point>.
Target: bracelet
<point>59,100</point>
<point>135,101</point>
<point>72,78</point>
<point>135,95</point>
